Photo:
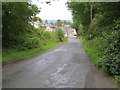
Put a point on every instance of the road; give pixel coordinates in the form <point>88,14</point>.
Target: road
<point>65,66</point>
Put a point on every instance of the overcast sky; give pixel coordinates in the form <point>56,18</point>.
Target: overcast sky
<point>57,10</point>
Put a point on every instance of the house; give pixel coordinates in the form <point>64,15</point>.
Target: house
<point>68,31</point>
<point>50,27</point>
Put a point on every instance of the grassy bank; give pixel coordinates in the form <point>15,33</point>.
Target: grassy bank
<point>92,52</point>
<point>11,54</point>
<point>30,45</point>
<point>97,57</point>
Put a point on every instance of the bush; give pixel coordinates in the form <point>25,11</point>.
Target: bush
<point>60,35</point>
<point>111,50</point>
<point>104,50</point>
<point>35,39</point>
<point>117,78</point>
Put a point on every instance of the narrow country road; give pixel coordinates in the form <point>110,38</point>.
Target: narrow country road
<point>65,66</point>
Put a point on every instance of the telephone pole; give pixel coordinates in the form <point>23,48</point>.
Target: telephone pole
<point>90,20</point>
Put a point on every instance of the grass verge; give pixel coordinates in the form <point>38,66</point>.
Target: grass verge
<point>92,52</point>
<point>14,55</point>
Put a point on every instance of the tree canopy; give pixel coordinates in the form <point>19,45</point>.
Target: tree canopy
<point>16,18</point>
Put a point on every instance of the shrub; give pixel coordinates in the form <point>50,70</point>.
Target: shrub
<point>104,50</point>
<point>111,50</point>
<point>117,78</point>
<point>60,34</point>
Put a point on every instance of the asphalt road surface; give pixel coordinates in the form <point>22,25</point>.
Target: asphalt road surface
<point>65,66</point>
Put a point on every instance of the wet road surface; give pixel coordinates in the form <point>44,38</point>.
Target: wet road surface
<point>65,66</point>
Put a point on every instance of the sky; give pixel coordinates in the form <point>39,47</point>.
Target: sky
<point>57,10</point>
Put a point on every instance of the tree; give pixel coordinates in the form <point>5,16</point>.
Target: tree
<point>81,15</point>
<point>46,21</point>
<point>102,20</point>
<point>16,19</point>
<point>58,20</point>
<point>36,19</point>
<point>60,34</point>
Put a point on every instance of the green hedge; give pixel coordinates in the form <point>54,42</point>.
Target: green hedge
<point>105,50</point>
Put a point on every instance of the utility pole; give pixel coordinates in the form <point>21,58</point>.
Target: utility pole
<point>90,20</point>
